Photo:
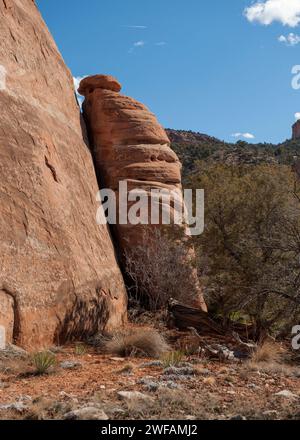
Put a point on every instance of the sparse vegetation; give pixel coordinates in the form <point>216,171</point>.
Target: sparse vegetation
<point>43,361</point>
<point>172,358</point>
<point>267,352</point>
<point>80,349</point>
<point>161,270</point>
<point>137,342</point>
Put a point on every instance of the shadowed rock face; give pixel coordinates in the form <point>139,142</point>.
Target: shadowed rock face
<point>129,145</point>
<point>58,274</point>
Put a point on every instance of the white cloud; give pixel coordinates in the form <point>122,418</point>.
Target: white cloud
<point>136,27</point>
<point>139,43</point>
<point>76,80</point>
<point>297,116</point>
<point>287,12</point>
<point>161,43</point>
<point>290,40</point>
<point>243,135</point>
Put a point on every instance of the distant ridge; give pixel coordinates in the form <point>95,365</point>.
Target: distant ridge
<point>189,136</point>
<point>193,146</point>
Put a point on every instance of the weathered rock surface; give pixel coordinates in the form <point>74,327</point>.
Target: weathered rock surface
<point>88,413</point>
<point>130,145</point>
<point>58,273</point>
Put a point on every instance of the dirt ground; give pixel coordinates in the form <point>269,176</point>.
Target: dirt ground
<point>197,388</point>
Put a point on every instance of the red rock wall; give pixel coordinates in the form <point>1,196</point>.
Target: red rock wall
<point>296,130</point>
<point>130,145</point>
<point>58,274</point>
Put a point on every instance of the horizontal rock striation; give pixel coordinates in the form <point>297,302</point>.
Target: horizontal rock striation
<point>129,145</point>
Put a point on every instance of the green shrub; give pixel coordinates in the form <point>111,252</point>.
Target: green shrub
<point>172,359</point>
<point>43,361</point>
<point>80,350</point>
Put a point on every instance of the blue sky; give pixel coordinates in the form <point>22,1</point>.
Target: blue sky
<point>202,65</point>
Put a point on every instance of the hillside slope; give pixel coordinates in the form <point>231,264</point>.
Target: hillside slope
<point>191,147</point>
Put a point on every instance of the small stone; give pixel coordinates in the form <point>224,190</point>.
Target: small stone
<point>172,385</point>
<point>16,406</point>
<point>88,413</point>
<point>116,411</point>
<point>270,413</point>
<point>238,417</point>
<point>184,371</point>
<point>70,365</point>
<point>151,364</point>
<point>151,386</point>
<point>287,394</point>
<point>176,378</point>
<point>65,395</point>
<point>253,386</point>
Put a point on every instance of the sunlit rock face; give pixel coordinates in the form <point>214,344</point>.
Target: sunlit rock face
<point>59,278</point>
<point>129,145</point>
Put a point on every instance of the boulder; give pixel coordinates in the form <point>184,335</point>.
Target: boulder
<point>88,85</point>
<point>88,413</point>
<point>59,278</point>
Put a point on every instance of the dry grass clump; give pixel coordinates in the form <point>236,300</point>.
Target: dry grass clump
<point>137,342</point>
<point>267,352</point>
<point>269,358</point>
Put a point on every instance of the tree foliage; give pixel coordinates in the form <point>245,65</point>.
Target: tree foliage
<point>249,253</point>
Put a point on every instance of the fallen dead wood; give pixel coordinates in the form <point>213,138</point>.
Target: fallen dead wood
<point>185,317</point>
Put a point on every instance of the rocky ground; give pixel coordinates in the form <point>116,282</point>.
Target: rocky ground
<point>84,384</point>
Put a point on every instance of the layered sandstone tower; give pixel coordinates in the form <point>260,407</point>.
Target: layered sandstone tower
<point>59,277</point>
<point>129,145</point>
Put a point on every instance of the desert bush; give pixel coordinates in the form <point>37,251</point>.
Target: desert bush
<point>43,361</point>
<point>162,268</point>
<point>137,342</point>
<point>248,255</point>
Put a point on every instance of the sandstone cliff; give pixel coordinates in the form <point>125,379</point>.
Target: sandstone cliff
<point>130,145</point>
<point>58,273</point>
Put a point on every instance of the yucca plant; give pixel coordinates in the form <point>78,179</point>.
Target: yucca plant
<point>43,361</point>
<point>172,359</point>
<point>80,350</point>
